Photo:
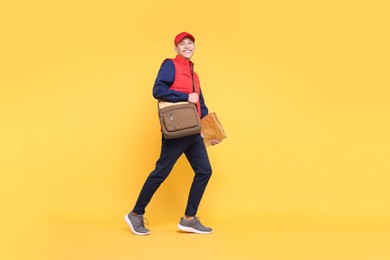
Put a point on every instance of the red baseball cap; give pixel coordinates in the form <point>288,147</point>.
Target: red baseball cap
<point>183,35</point>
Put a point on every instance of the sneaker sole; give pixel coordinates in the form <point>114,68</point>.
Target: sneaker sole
<point>132,228</point>
<point>192,230</point>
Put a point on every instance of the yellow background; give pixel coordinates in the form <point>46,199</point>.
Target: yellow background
<point>301,87</point>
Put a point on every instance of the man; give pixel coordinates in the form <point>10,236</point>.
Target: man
<point>175,82</point>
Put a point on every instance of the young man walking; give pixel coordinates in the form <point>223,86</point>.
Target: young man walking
<point>174,83</point>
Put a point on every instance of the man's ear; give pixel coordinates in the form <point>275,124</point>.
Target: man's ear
<point>176,50</point>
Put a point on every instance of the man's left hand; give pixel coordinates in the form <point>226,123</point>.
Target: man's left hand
<point>215,141</point>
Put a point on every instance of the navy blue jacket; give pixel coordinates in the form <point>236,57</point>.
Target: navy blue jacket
<point>164,80</point>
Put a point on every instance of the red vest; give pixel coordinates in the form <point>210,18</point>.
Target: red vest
<point>184,69</point>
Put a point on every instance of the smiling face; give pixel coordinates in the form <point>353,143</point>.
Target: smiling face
<point>185,48</point>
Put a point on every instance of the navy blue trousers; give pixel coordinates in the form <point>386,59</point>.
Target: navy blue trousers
<point>171,149</point>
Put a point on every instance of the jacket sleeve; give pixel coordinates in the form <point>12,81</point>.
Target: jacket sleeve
<point>203,108</point>
<point>164,80</point>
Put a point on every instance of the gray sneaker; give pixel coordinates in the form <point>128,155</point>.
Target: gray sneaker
<point>193,226</point>
<point>136,223</point>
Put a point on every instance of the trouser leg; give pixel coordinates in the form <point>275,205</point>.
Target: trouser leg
<point>199,160</point>
<point>171,150</point>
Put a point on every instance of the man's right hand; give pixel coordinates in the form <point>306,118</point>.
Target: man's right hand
<point>193,98</point>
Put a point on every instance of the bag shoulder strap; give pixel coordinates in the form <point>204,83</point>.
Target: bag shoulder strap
<point>192,76</point>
